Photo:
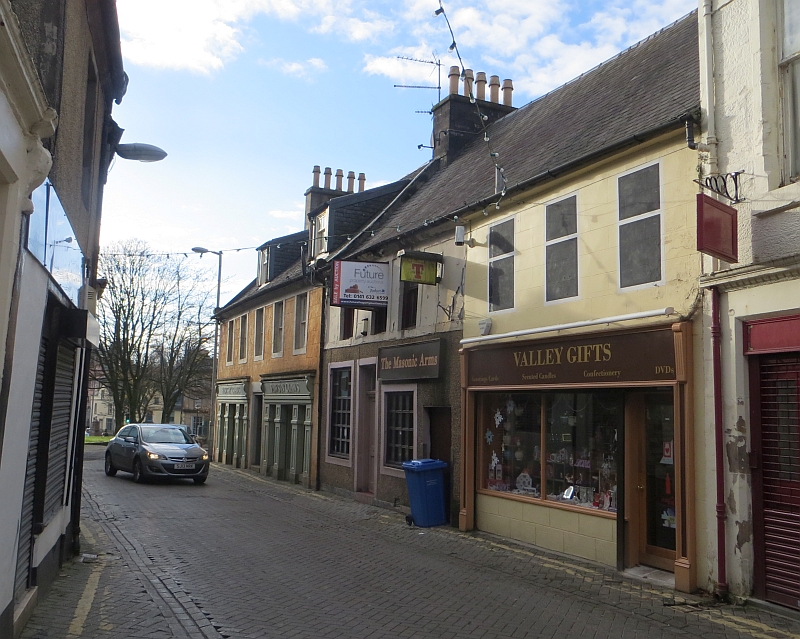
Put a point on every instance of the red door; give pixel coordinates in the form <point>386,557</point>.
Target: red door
<point>777,479</point>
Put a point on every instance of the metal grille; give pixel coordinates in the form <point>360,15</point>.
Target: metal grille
<point>340,411</point>
<point>26,520</point>
<point>780,442</point>
<point>59,431</point>
<point>399,427</point>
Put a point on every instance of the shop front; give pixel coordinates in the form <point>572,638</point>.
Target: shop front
<point>284,435</point>
<point>232,411</point>
<point>581,445</point>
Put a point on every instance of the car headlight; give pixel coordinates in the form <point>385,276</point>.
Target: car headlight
<point>204,457</point>
<point>152,455</point>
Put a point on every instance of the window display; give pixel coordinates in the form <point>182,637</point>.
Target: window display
<point>576,453</point>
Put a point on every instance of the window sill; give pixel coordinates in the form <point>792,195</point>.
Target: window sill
<point>393,472</point>
<point>548,504</point>
<point>277,355</point>
<point>776,201</point>
<point>338,461</point>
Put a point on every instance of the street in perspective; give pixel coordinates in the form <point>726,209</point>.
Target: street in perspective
<point>431,318</point>
<point>247,557</point>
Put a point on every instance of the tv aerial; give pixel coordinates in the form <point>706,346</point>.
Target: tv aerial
<point>435,62</point>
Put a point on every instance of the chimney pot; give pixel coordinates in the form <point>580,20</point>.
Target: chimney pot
<point>494,89</point>
<point>351,178</point>
<point>315,172</point>
<point>328,177</point>
<point>508,87</point>
<point>339,178</point>
<point>480,85</point>
<point>454,75</point>
<point>361,180</point>
<point>468,75</point>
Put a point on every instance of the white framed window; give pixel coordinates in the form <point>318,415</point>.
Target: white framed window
<point>501,266</point>
<point>229,345</point>
<point>640,228</point>
<point>320,234</point>
<point>277,329</point>
<point>561,249</point>
<point>300,323</point>
<point>340,413</point>
<point>263,266</point>
<point>258,335</point>
<point>399,426</point>
<point>243,338</point>
<point>790,71</point>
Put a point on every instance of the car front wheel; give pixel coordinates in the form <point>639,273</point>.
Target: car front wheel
<point>110,470</point>
<point>138,477</point>
<point>200,480</point>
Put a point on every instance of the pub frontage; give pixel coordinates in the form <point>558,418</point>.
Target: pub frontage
<point>582,444</point>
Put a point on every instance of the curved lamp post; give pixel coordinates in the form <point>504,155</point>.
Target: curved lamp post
<point>202,251</point>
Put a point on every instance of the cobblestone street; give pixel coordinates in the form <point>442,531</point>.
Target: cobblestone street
<point>246,557</point>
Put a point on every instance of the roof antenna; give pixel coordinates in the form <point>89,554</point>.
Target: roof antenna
<point>437,63</point>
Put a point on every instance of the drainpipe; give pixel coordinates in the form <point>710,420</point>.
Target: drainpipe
<point>708,64</point>
<point>716,347</point>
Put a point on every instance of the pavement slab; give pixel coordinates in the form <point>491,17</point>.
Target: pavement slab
<point>246,557</point>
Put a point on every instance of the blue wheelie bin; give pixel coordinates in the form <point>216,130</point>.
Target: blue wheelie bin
<point>425,481</point>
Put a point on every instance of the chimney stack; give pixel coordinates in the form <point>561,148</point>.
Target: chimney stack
<point>316,195</point>
<point>494,89</point>
<point>454,75</point>
<point>468,75</point>
<point>351,178</point>
<point>508,87</point>
<point>480,86</point>
<point>327,178</point>
<point>361,180</point>
<point>339,178</point>
<point>316,177</point>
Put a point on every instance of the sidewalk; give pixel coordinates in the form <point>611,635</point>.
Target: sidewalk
<point>133,588</point>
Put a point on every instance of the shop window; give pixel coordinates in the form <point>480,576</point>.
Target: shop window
<point>573,461</point>
<point>660,470</point>
<point>561,249</point>
<point>790,70</point>
<point>258,337</point>
<point>243,338</point>
<point>341,399</point>
<point>640,227</point>
<point>229,344</point>
<point>399,419</point>
<point>409,298</point>
<point>300,321</point>
<point>501,266</point>
<point>277,329</point>
<point>347,320</point>
<point>378,322</point>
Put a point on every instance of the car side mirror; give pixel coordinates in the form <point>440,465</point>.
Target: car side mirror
<point>130,440</point>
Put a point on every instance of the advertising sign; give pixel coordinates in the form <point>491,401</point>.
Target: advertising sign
<point>409,361</point>
<point>360,284</point>
<point>416,270</point>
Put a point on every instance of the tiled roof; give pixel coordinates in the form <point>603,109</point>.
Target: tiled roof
<point>649,86</point>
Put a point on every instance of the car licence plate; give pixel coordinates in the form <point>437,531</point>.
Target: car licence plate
<point>183,466</point>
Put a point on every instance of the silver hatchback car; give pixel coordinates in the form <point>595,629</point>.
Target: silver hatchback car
<point>156,450</point>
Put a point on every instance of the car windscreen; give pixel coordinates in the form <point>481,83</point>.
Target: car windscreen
<point>159,435</point>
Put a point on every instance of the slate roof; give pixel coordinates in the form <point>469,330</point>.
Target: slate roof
<point>645,89</point>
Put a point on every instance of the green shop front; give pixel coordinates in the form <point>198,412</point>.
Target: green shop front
<point>581,445</point>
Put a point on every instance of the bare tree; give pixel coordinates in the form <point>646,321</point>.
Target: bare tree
<point>153,323</point>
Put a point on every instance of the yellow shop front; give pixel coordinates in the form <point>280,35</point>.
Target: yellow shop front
<point>581,444</point>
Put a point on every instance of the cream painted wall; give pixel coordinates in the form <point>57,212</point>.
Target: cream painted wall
<point>599,295</point>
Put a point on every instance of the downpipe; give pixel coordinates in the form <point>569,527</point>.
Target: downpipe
<point>722,514</point>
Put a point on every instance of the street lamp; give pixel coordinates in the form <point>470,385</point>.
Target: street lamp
<point>202,251</point>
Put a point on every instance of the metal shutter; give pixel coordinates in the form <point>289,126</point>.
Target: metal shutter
<point>59,431</point>
<point>780,441</point>
<point>26,520</point>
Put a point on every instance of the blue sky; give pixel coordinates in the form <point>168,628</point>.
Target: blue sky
<point>247,96</point>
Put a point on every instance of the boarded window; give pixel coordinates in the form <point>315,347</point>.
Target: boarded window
<point>640,228</point>
<point>561,249</point>
<point>501,266</point>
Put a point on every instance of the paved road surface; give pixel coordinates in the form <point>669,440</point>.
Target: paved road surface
<point>245,557</point>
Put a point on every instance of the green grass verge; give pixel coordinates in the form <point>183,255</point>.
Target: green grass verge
<point>96,439</point>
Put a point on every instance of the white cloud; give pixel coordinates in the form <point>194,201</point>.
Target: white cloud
<point>298,69</point>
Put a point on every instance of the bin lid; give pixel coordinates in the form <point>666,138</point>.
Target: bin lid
<point>419,465</point>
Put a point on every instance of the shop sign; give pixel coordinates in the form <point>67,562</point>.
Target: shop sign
<point>417,270</point>
<point>232,390</point>
<point>612,357</point>
<point>717,229</point>
<point>286,387</point>
<point>409,361</point>
<point>360,284</point>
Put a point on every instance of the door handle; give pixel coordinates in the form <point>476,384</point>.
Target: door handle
<point>640,487</point>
